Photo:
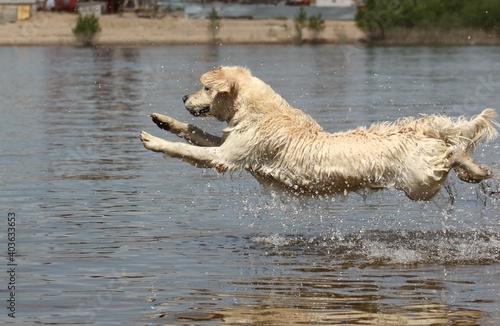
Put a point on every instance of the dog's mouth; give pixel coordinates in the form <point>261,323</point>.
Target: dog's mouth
<point>203,112</point>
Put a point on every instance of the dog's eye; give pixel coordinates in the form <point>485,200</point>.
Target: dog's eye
<point>207,88</point>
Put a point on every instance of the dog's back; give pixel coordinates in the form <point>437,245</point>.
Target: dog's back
<point>410,155</point>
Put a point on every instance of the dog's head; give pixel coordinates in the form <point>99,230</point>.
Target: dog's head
<point>218,94</point>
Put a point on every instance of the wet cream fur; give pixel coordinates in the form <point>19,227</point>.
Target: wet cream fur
<point>283,146</point>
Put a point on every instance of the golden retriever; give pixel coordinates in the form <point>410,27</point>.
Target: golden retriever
<point>283,146</point>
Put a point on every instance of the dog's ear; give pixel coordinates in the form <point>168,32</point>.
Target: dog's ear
<point>220,81</point>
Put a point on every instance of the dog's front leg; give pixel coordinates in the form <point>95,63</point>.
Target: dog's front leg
<point>190,133</point>
<point>202,157</point>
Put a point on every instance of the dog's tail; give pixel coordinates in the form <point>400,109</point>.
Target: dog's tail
<point>467,134</point>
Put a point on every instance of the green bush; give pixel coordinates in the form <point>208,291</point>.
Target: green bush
<point>316,24</point>
<point>379,16</point>
<point>300,21</point>
<point>214,26</point>
<point>86,29</point>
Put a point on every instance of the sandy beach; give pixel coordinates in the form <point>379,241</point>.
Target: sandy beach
<point>55,29</point>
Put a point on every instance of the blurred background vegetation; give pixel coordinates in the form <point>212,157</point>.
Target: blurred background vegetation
<point>379,16</point>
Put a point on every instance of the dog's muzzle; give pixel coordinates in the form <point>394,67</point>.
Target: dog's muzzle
<point>197,112</point>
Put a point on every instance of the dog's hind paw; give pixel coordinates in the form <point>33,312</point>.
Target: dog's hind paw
<point>494,173</point>
<point>221,168</point>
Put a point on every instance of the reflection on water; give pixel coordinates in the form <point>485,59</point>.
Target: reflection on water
<point>112,234</point>
<point>329,293</point>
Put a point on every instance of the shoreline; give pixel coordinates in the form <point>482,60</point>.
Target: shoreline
<point>436,37</point>
<point>129,30</point>
<point>55,29</point>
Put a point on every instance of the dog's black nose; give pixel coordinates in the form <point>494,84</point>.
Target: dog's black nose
<point>184,98</point>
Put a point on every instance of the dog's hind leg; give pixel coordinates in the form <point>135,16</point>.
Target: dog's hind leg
<point>466,168</point>
<point>202,157</point>
<point>190,133</point>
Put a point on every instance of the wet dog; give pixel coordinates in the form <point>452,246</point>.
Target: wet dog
<point>283,146</point>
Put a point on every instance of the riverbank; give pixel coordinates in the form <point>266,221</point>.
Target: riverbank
<point>55,29</point>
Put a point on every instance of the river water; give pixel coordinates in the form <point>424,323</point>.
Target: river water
<point>108,233</point>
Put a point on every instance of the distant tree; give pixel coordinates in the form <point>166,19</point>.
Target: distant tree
<point>316,24</point>
<point>214,26</point>
<point>300,22</point>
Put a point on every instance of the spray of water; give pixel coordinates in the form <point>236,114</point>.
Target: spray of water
<point>379,229</point>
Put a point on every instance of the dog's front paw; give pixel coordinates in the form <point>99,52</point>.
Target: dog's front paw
<point>162,121</point>
<point>151,142</point>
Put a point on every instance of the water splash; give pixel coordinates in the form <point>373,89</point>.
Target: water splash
<point>377,247</point>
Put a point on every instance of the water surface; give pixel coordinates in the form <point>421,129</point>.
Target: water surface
<point>109,233</point>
